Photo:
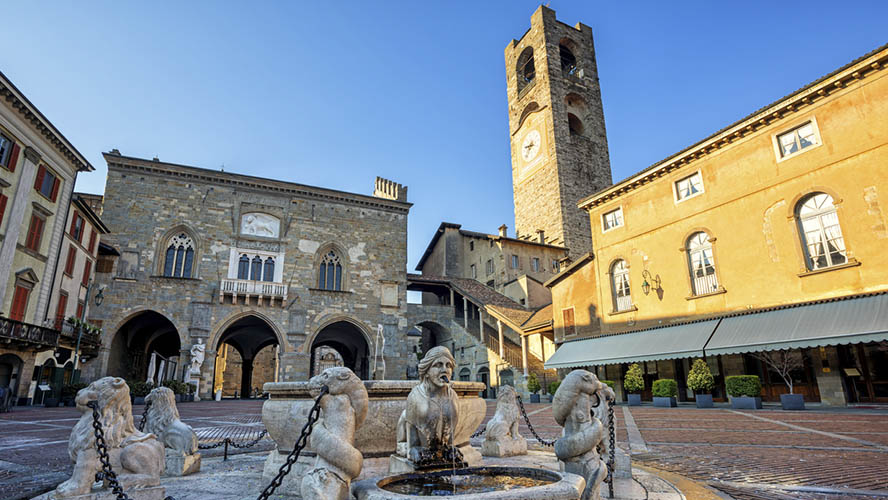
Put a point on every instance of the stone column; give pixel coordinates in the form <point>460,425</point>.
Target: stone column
<point>16,210</point>
<point>499,330</point>
<point>524,353</point>
<point>465,312</point>
<point>481,325</point>
<point>246,378</point>
<point>452,299</point>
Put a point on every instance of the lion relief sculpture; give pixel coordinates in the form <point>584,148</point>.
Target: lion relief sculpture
<point>343,409</point>
<point>501,438</point>
<point>179,439</point>
<point>577,447</point>
<point>136,457</point>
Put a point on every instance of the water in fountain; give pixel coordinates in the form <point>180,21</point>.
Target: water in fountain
<point>466,481</point>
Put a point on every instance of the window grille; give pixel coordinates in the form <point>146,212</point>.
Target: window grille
<point>702,264</point>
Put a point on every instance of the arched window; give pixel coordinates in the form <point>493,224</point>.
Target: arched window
<point>179,259</point>
<point>702,265</point>
<point>330,272</point>
<point>243,267</point>
<point>620,286</point>
<point>568,60</point>
<point>525,69</point>
<point>256,269</point>
<point>822,238</point>
<point>574,124</point>
<point>268,273</point>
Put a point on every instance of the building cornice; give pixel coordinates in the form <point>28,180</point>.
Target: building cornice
<point>799,101</point>
<point>153,167</point>
<point>17,101</point>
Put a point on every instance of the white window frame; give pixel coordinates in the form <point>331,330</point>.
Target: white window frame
<point>474,272</point>
<point>707,283</point>
<point>604,228</point>
<point>676,193</point>
<point>819,216</point>
<point>535,264</point>
<point>490,267</point>
<point>775,139</point>
<point>621,302</point>
<point>234,258</point>
<point>514,261</point>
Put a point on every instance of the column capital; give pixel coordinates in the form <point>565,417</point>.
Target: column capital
<point>32,155</point>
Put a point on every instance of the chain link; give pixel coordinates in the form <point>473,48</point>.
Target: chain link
<point>313,416</point>
<point>250,443</point>
<point>533,431</point>
<point>478,432</point>
<point>611,461</point>
<point>102,449</point>
<point>144,416</point>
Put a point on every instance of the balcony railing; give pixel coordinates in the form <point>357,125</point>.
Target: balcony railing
<point>69,334</point>
<point>247,288</point>
<point>16,331</point>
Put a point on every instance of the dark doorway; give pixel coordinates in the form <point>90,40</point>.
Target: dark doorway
<point>146,334</point>
<point>10,374</point>
<point>246,358</point>
<point>348,340</point>
<point>484,377</point>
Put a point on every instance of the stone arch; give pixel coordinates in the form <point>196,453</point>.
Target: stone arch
<point>434,334</point>
<point>525,69</point>
<point>133,340</point>
<point>162,243</point>
<point>349,337</point>
<point>483,375</point>
<point>569,56</point>
<point>242,364</point>
<point>235,316</point>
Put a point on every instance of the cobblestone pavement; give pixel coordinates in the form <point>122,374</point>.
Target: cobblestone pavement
<point>34,441</point>
<point>749,455</point>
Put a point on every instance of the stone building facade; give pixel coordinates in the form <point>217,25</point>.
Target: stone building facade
<point>766,236</point>
<point>557,132</point>
<point>222,258</point>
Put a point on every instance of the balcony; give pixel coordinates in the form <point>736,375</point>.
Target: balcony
<point>248,289</point>
<point>89,342</point>
<point>27,336</point>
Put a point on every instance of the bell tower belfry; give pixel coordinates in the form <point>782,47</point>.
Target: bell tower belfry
<point>556,123</point>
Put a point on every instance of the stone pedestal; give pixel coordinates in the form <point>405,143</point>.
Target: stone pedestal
<point>400,465</point>
<point>180,464</point>
<point>504,447</point>
<point>151,493</point>
<point>471,456</point>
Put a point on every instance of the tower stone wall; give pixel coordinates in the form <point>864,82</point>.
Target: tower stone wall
<point>557,159</point>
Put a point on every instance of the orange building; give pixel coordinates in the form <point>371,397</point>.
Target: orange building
<point>768,235</point>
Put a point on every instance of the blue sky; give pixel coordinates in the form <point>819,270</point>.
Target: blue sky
<point>335,93</point>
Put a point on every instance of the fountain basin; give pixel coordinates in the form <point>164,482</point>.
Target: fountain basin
<point>288,404</point>
<point>481,483</point>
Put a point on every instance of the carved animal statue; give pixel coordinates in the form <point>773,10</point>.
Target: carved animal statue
<point>136,457</point>
<point>163,421</point>
<point>501,436</point>
<point>582,433</point>
<point>343,410</point>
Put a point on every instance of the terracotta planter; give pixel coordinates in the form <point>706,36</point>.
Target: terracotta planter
<point>703,400</point>
<point>635,400</point>
<point>792,401</point>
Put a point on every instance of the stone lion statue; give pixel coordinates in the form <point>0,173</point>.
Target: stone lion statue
<point>501,438</point>
<point>136,457</point>
<point>577,447</point>
<point>343,409</point>
<point>179,439</point>
<point>426,428</point>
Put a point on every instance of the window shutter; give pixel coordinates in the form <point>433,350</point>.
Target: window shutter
<point>60,309</point>
<point>32,232</point>
<point>73,224</point>
<point>19,300</point>
<point>55,189</point>
<point>92,242</point>
<point>3,199</point>
<point>87,267</point>
<point>38,181</point>
<point>69,265</point>
<point>13,157</point>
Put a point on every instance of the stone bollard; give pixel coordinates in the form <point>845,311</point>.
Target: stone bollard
<point>576,448</point>
<point>179,439</point>
<point>135,457</point>
<point>501,438</point>
<point>343,410</point>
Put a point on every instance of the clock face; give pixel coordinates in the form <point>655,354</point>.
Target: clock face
<point>530,146</point>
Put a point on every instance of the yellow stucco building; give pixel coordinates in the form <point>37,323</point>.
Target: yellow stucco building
<point>770,234</point>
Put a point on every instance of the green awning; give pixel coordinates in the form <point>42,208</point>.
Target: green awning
<point>670,342</point>
<point>848,321</point>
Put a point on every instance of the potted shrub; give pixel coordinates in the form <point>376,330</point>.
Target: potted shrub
<point>177,387</point>
<point>701,381</point>
<point>784,363</point>
<point>533,386</point>
<point>553,388</point>
<point>69,392</point>
<point>138,391</point>
<point>633,384</point>
<point>665,390</point>
<point>191,390</point>
<point>745,391</point>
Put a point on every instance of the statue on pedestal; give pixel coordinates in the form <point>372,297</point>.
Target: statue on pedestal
<point>192,373</point>
<point>576,449</point>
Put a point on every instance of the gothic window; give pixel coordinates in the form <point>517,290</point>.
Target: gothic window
<point>330,272</point>
<point>268,273</point>
<point>525,69</point>
<point>620,286</point>
<point>243,267</point>
<point>256,269</point>
<point>568,60</point>
<point>179,259</point>
<point>702,264</point>
<point>821,233</point>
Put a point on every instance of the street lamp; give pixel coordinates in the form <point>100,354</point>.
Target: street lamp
<point>646,286</point>
<point>99,298</point>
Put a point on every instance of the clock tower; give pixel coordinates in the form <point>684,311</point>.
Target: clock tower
<point>556,123</point>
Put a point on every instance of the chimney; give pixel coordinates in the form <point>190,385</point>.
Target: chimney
<point>503,231</point>
<point>542,235</point>
<point>389,190</point>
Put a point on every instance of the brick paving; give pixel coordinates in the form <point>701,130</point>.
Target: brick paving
<point>744,457</point>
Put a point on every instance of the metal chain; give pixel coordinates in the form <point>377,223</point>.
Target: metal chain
<point>102,449</point>
<point>144,416</point>
<point>250,443</point>
<point>313,416</point>
<point>611,461</point>
<point>478,432</point>
<point>211,446</point>
<point>533,431</point>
